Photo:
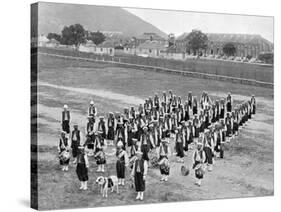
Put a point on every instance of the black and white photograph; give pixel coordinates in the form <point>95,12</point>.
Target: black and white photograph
<point>138,106</point>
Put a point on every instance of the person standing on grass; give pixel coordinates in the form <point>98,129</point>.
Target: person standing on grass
<point>195,106</point>
<point>101,127</point>
<point>179,143</point>
<point>222,109</point>
<point>63,150</point>
<point>82,168</point>
<point>65,119</point>
<point>110,126</point>
<point>139,172</point>
<point>208,147</point>
<point>90,134</point>
<point>199,158</point>
<point>92,110</point>
<point>229,102</point>
<point>228,121</point>
<point>122,160</point>
<point>75,142</point>
<point>99,153</point>
<point>164,154</point>
<point>145,143</point>
<point>253,105</point>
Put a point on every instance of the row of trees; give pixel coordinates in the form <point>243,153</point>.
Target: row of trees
<point>76,35</point>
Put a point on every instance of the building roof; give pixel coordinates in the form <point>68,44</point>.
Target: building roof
<point>236,38</point>
<point>150,36</point>
<point>233,38</point>
<point>172,49</point>
<point>107,44</point>
<point>89,43</point>
<point>54,41</point>
<point>152,45</point>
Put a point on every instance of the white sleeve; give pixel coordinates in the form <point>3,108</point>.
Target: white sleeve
<point>145,166</point>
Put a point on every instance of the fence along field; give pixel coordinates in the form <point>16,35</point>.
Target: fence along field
<point>244,73</point>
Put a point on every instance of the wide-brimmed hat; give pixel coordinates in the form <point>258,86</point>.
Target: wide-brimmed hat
<point>91,102</point>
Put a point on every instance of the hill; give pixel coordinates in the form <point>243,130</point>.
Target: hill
<point>54,16</point>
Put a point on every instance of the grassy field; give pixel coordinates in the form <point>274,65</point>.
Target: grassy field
<point>246,171</point>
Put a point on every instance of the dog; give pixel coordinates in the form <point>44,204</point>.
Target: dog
<point>107,183</point>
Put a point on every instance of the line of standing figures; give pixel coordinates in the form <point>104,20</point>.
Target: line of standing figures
<point>142,137</point>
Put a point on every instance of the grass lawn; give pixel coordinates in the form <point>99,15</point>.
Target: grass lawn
<point>246,171</point>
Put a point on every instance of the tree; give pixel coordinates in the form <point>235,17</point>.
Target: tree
<point>96,37</point>
<point>73,35</point>
<point>54,36</point>
<point>229,49</point>
<point>196,40</point>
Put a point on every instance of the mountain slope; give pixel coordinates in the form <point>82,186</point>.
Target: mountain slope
<point>54,16</point>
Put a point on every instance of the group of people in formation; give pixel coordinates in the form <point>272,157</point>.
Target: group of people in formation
<point>160,119</point>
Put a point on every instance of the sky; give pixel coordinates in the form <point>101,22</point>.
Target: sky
<point>178,22</point>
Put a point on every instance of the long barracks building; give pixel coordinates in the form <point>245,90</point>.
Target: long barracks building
<point>245,44</point>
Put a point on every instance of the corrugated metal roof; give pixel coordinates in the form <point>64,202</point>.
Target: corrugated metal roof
<point>150,35</point>
<point>234,38</point>
<point>152,45</point>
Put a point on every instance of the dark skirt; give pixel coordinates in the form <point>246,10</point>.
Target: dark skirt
<point>186,116</point>
<point>228,107</point>
<point>179,149</point>
<point>185,148</point>
<point>223,136</point>
<point>145,150</point>
<point>120,168</point>
<point>74,147</point>
<point>228,130</point>
<point>202,127</point>
<point>110,133</point>
<point>194,110</point>
<point>254,109</point>
<point>235,127</point>
<point>196,133</point>
<point>65,126</point>
<point>190,139</point>
<point>222,114</point>
<point>82,172</point>
<point>209,155</point>
<point>139,182</point>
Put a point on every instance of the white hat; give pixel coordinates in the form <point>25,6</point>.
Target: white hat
<point>65,106</point>
<point>119,144</point>
<point>91,102</point>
